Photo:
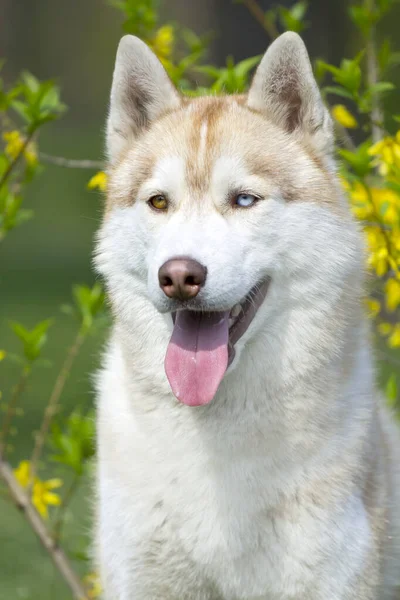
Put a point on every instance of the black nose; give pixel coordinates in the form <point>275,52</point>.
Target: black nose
<point>181,278</point>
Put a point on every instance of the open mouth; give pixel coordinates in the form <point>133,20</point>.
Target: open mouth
<point>202,346</point>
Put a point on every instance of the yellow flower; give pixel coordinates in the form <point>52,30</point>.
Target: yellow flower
<point>98,181</point>
<point>31,155</point>
<point>162,43</point>
<point>42,495</point>
<point>378,257</point>
<point>344,116</point>
<point>361,205</point>
<point>373,307</point>
<point>387,152</point>
<point>2,355</point>
<point>394,339</point>
<point>22,473</point>
<point>14,145</point>
<point>392,291</point>
<point>385,328</point>
<point>92,581</point>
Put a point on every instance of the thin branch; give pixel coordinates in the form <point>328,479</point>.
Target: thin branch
<point>59,524</point>
<point>70,163</point>
<point>19,388</point>
<point>15,160</point>
<point>373,77</point>
<point>52,405</point>
<point>59,558</point>
<point>260,16</point>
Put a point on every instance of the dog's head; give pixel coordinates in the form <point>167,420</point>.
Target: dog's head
<point>224,212</point>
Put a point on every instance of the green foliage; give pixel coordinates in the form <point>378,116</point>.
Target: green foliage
<point>88,307</point>
<point>73,441</point>
<point>36,102</point>
<point>391,390</point>
<point>232,79</point>
<point>359,160</point>
<point>11,213</point>
<point>292,18</point>
<point>141,16</point>
<point>32,340</point>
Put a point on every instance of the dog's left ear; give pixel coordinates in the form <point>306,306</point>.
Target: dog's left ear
<point>284,89</point>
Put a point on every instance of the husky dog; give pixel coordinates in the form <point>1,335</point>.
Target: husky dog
<point>243,452</point>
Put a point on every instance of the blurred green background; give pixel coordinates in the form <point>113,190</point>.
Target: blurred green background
<point>75,42</point>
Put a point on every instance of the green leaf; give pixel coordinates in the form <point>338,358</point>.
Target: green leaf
<point>34,339</point>
<point>384,54</point>
<point>359,160</point>
<point>292,18</point>
<point>89,303</point>
<point>391,390</point>
<point>363,18</point>
<point>74,444</point>
<point>338,91</point>
<point>381,87</point>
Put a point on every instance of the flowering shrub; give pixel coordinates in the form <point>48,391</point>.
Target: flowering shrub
<point>370,172</point>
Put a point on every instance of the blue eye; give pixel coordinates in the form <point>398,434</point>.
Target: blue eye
<point>244,200</point>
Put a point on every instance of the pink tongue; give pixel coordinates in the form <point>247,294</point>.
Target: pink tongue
<point>197,355</point>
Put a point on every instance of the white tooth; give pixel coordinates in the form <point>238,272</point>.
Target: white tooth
<point>236,310</point>
<point>231,322</point>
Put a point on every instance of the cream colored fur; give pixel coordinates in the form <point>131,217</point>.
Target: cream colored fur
<point>284,487</point>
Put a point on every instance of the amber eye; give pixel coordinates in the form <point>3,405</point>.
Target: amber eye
<point>158,202</point>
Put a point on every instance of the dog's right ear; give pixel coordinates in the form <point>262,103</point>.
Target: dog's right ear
<point>141,92</point>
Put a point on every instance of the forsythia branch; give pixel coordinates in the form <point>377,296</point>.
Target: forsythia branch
<point>51,407</point>
<point>15,160</point>
<point>58,527</point>
<point>258,13</point>
<point>58,556</point>
<point>19,388</point>
<point>373,76</point>
<point>70,163</point>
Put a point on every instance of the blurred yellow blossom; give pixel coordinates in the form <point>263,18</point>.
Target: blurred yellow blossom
<point>98,181</point>
<point>385,328</point>
<point>42,495</point>
<point>15,144</point>
<point>343,116</point>
<point>394,339</point>
<point>387,153</point>
<point>373,307</point>
<point>392,291</point>
<point>92,581</point>
<point>361,205</point>
<point>378,252</point>
<point>162,42</point>
<point>2,355</point>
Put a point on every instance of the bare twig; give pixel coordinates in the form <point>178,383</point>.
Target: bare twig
<point>258,13</point>
<point>70,163</point>
<point>373,77</point>
<point>13,163</point>
<point>59,524</point>
<point>52,404</point>
<point>19,388</point>
<point>57,555</point>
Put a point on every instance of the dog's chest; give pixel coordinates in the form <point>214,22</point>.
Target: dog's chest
<point>219,517</point>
